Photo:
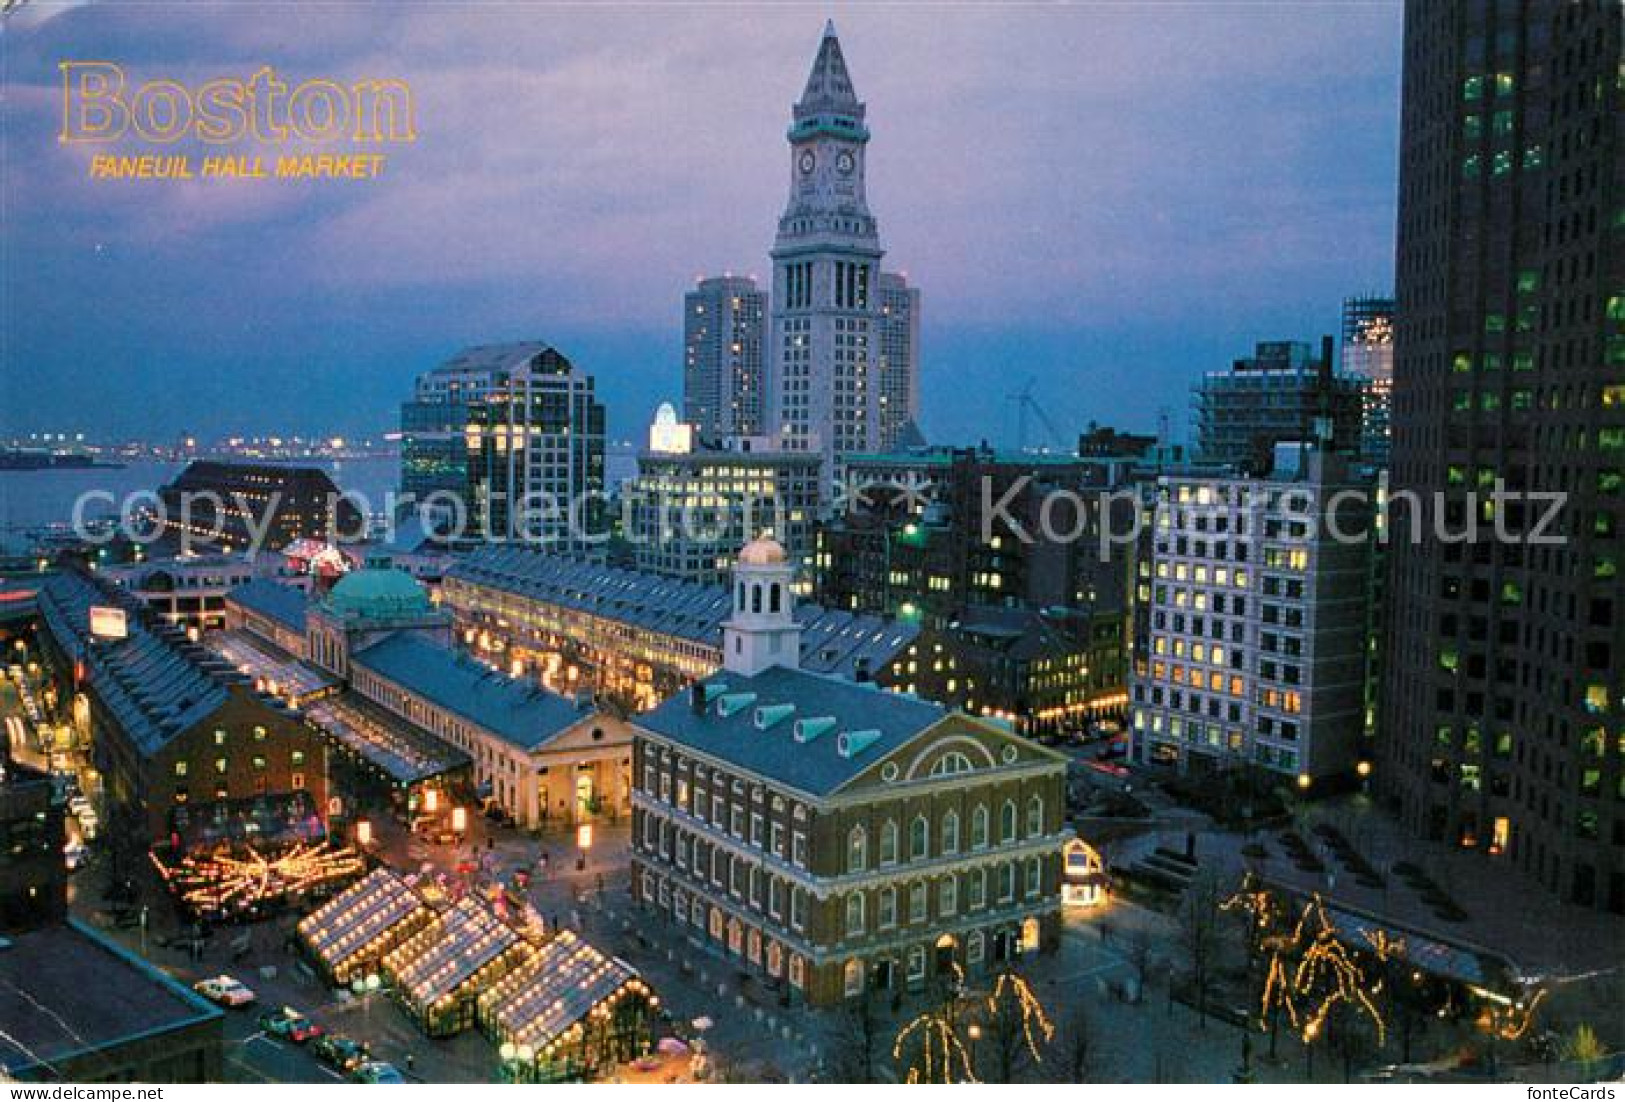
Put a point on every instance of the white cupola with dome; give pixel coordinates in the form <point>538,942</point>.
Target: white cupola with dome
<point>762,631</point>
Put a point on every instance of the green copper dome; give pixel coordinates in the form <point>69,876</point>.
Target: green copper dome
<point>378,593</point>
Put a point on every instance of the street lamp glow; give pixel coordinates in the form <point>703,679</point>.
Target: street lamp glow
<point>459,819</point>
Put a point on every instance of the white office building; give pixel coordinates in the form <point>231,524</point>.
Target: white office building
<point>1258,594</point>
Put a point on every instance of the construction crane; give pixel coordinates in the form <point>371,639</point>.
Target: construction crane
<point>1025,404</point>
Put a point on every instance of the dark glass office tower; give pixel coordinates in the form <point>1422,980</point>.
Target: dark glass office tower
<point>1504,706</point>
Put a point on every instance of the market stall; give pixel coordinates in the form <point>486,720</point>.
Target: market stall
<point>353,932</point>
<point>568,1013</point>
<point>438,972</point>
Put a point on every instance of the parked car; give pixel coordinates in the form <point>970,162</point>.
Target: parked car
<point>224,990</point>
<point>288,1022</point>
<point>341,1052</point>
<point>377,1071</point>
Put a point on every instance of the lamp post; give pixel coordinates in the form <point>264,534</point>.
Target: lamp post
<point>366,986</point>
<point>583,844</point>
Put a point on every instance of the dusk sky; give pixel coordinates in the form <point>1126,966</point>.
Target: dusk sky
<point>1108,199</point>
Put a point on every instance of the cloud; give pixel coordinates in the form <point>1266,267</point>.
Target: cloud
<point>1092,170</point>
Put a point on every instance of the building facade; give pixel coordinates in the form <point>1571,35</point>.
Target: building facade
<point>1257,622</point>
<point>631,637</point>
<point>1504,694</point>
<point>833,839</point>
<point>899,361</point>
<point>180,738</point>
<point>536,453</point>
<point>828,306</point>
<point>33,878</point>
<point>214,505</point>
<point>1368,353</point>
<point>693,506</point>
<point>724,342</point>
<point>1278,394</point>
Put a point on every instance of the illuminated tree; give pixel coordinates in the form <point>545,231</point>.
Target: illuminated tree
<point>1018,1028</point>
<point>930,1050</point>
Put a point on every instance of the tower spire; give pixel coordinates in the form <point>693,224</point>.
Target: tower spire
<point>829,85</point>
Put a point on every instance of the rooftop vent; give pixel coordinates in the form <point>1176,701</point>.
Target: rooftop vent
<point>734,702</point>
<point>810,728</point>
<point>769,714</point>
<point>853,743</point>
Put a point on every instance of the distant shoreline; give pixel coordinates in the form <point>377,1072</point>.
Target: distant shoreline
<point>42,461</point>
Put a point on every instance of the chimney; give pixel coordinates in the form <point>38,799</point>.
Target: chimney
<point>696,698</point>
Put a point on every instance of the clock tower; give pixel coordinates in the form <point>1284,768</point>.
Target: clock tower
<point>825,392</point>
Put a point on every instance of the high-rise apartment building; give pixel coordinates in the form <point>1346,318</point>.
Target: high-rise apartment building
<point>830,326</point>
<point>1278,394</point>
<point>536,453</point>
<point>1367,353</point>
<point>724,322</point>
<point>1257,591</point>
<point>899,362</point>
<point>1505,675</point>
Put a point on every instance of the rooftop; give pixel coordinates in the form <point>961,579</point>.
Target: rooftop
<point>522,713</point>
<point>65,990</point>
<point>832,641</point>
<point>495,357</point>
<point>153,681</point>
<point>378,593</point>
<point>285,604</point>
<point>808,732</point>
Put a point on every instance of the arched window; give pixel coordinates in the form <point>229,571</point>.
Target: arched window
<point>888,842</point>
<point>1035,816</point>
<point>951,763</point>
<point>919,838</point>
<point>756,598</point>
<point>739,600</point>
<point>1007,883</point>
<point>857,849</point>
<point>773,598</point>
<point>852,978</point>
<point>950,832</point>
<point>854,913</point>
<point>978,827</point>
<point>1007,821</point>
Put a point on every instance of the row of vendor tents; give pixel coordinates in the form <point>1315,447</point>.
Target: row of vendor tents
<point>557,1007</point>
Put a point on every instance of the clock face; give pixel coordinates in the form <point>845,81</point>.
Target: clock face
<point>845,163</point>
<point>807,162</point>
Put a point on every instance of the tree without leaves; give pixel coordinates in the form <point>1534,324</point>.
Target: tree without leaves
<point>1074,1049</point>
<point>1199,935</point>
<point>857,1039</point>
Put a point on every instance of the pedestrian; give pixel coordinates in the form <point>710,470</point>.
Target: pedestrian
<point>598,880</point>
<point>411,1063</point>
